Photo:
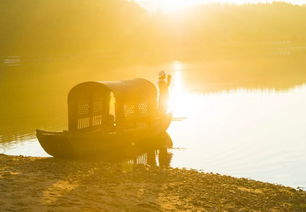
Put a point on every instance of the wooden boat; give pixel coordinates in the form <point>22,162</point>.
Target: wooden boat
<point>108,118</point>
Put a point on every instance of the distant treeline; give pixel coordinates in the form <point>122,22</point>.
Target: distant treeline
<point>121,30</point>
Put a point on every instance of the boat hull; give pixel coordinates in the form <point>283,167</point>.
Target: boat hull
<point>99,144</point>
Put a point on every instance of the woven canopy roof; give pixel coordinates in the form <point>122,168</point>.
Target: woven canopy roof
<point>135,90</point>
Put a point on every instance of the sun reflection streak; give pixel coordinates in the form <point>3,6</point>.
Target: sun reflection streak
<point>181,101</point>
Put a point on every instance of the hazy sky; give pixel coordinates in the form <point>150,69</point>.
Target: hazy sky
<point>174,5</point>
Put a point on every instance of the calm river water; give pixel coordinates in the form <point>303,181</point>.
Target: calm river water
<point>257,134</point>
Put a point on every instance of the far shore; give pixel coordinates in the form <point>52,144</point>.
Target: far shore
<point>49,184</point>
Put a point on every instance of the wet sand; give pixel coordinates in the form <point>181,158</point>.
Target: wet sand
<point>48,184</point>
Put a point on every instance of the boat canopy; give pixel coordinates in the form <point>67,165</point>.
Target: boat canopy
<point>98,104</point>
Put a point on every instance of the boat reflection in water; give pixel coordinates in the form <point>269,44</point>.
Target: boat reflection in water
<point>156,154</point>
<point>156,157</point>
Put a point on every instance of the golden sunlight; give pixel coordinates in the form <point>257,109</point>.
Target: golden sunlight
<point>169,6</point>
<point>179,98</point>
<point>175,5</point>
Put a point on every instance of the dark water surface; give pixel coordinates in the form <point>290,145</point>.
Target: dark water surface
<point>242,131</point>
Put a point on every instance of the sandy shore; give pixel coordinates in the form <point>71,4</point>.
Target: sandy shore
<point>47,184</point>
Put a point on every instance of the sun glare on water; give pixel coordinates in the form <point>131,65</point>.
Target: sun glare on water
<point>179,102</point>
<point>182,102</point>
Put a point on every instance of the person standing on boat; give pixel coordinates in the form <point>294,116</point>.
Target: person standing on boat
<point>164,81</point>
